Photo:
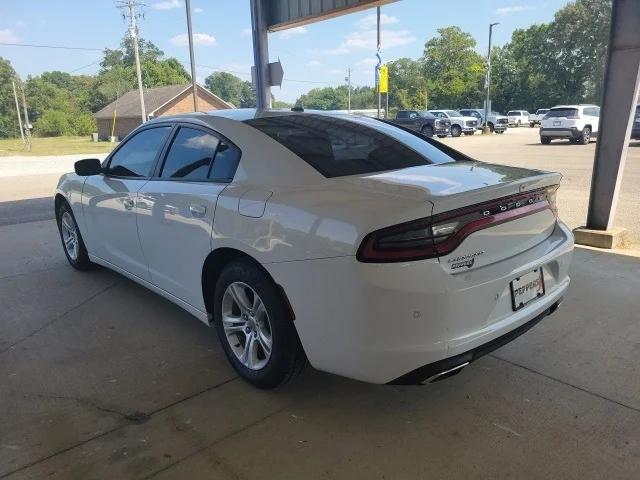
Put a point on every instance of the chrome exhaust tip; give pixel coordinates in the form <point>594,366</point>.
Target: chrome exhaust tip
<point>445,373</point>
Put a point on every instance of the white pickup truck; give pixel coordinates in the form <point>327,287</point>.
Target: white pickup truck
<point>536,118</point>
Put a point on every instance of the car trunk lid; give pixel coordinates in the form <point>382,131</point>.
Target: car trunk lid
<point>509,204</point>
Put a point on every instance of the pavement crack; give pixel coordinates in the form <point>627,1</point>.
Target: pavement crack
<point>582,389</point>
<point>132,418</point>
<point>57,317</point>
<point>135,417</point>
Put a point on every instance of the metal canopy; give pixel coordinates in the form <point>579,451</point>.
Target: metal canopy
<point>282,14</point>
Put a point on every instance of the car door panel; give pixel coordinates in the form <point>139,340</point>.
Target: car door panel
<point>174,222</point>
<point>109,200</point>
<point>176,210</point>
<point>112,224</point>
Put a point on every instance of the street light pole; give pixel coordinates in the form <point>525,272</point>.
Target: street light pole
<point>485,128</point>
<point>192,56</point>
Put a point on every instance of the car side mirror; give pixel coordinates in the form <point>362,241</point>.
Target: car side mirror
<point>88,167</point>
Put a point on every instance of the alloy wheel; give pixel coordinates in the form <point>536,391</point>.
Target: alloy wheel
<point>69,235</point>
<point>246,325</point>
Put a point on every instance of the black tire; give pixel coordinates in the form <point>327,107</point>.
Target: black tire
<point>427,131</point>
<point>287,359</point>
<point>585,136</point>
<point>81,260</point>
<point>456,131</point>
<point>442,136</point>
<point>518,124</point>
<point>491,127</point>
<point>500,132</point>
<point>532,124</point>
<point>469,133</point>
<point>545,140</point>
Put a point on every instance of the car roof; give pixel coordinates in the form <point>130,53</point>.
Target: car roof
<point>574,106</point>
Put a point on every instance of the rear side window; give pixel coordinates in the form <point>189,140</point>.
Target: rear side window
<point>225,162</point>
<point>513,113</point>
<point>402,114</point>
<point>562,113</point>
<point>190,155</point>
<point>337,147</point>
<point>137,156</point>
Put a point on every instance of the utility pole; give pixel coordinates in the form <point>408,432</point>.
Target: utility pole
<point>379,60</point>
<point>26,122</point>
<point>133,32</point>
<point>485,127</point>
<point>192,56</point>
<point>348,79</point>
<point>15,96</point>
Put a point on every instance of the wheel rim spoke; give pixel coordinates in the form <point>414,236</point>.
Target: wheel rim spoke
<point>246,325</point>
<point>69,235</point>
<point>240,296</point>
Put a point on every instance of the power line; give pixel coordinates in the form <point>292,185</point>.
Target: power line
<point>61,47</point>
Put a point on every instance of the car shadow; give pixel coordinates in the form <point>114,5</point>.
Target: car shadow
<point>29,210</point>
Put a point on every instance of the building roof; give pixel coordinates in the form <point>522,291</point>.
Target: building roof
<point>128,105</point>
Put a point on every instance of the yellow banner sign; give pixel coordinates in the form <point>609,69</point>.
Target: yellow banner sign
<point>383,84</point>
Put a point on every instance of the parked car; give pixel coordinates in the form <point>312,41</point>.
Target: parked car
<point>497,123</point>
<point>517,117</point>
<point>574,122</point>
<point>536,118</point>
<point>423,122</point>
<point>370,250</point>
<point>459,123</point>
<point>635,129</point>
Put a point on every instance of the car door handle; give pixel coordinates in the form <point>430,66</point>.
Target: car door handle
<point>128,203</point>
<point>197,210</point>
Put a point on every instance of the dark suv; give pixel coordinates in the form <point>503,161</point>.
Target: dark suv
<point>635,130</point>
<point>423,122</point>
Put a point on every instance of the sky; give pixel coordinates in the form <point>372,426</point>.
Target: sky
<point>314,55</point>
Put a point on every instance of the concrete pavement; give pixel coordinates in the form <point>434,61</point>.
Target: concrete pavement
<point>103,379</point>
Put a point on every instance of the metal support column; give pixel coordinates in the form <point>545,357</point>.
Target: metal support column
<point>260,53</point>
<point>622,81</point>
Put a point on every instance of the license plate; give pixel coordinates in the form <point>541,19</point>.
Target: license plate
<point>526,288</point>
<point>557,123</point>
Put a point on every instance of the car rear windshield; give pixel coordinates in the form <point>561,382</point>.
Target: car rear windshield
<point>562,113</point>
<point>337,147</point>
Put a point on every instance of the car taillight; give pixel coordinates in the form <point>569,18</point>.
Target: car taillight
<point>441,234</point>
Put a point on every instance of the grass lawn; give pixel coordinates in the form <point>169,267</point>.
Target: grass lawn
<point>53,146</point>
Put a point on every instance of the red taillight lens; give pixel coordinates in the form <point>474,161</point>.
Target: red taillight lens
<point>443,233</point>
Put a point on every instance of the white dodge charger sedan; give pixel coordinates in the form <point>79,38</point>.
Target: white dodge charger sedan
<point>364,248</point>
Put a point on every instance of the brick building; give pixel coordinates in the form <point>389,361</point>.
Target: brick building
<point>158,101</point>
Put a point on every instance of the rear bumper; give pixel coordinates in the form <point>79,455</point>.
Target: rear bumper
<point>571,132</point>
<point>452,365</point>
<point>380,322</point>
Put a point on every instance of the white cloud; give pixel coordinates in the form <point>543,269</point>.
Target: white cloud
<point>167,5</point>
<point>246,32</point>
<point>313,63</point>
<point>200,39</point>
<point>371,21</point>
<point>368,62</point>
<point>198,10</point>
<point>366,40</point>
<point>7,36</point>
<point>502,11</point>
<point>291,32</point>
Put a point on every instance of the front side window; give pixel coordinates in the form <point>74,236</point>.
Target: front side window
<point>137,156</point>
<point>337,147</point>
<point>190,155</point>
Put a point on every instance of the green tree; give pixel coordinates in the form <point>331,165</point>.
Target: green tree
<point>231,89</point>
<point>8,117</point>
<point>453,70</point>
